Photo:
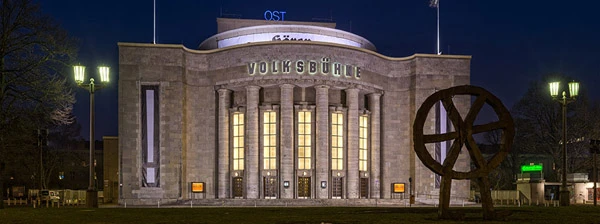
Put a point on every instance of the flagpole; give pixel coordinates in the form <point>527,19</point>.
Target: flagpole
<point>438,28</point>
<point>436,4</point>
<point>154,24</point>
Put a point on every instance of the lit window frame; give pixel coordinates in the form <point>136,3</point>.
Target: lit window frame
<point>238,133</point>
<point>304,160</point>
<point>337,134</point>
<point>269,146</point>
<point>363,142</point>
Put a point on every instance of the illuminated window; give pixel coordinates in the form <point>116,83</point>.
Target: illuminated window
<point>337,141</point>
<point>269,140</point>
<point>238,141</point>
<point>363,148</point>
<point>304,139</point>
<point>150,136</point>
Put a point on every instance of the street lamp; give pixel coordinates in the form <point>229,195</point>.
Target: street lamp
<point>573,92</point>
<point>79,72</point>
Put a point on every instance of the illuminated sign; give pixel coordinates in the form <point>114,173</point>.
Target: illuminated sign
<point>532,168</point>
<point>197,187</point>
<point>284,36</point>
<point>274,15</point>
<point>310,67</point>
<point>398,187</point>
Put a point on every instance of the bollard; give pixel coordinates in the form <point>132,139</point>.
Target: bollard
<point>463,202</point>
<point>159,203</point>
<point>126,204</point>
<point>191,204</point>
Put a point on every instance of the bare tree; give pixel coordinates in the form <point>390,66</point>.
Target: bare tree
<point>501,178</point>
<point>538,121</point>
<point>35,54</point>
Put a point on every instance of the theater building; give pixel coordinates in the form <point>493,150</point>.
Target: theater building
<point>278,110</point>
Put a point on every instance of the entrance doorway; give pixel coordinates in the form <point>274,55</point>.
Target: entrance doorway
<point>238,187</point>
<point>270,187</point>
<point>303,187</point>
<point>337,188</point>
<point>364,187</point>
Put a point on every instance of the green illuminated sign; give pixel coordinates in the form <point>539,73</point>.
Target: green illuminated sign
<point>531,168</point>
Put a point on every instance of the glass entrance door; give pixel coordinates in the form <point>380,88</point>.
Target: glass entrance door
<point>303,187</point>
<point>270,187</point>
<point>337,187</point>
<point>364,187</point>
<point>238,187</point>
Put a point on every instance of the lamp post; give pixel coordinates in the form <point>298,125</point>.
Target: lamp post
<point>595,149</point>
<point>92,193</point>
<point>564,100</point>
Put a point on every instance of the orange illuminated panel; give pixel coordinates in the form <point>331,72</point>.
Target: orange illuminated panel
<point>398,187</point>
<point>197,187</point>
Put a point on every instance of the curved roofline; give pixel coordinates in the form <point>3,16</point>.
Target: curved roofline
<point>288,28</point>
<point>218,50</point>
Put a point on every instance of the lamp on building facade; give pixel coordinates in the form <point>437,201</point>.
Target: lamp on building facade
<point>79,72</point>
<point>564,100</point>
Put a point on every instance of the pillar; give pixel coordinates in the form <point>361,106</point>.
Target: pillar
<point>286,142</point>
<point>375,157</point>
<point>251,154</point>
<point>322,136</point>
<point>353,175</point>
<point>223,155</point>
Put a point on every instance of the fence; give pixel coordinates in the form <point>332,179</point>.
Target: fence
<point>67,198</point>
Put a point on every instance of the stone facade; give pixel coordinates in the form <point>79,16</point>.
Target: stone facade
<point>200,91</point>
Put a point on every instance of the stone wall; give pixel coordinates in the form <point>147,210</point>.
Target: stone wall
<point>188,81</point>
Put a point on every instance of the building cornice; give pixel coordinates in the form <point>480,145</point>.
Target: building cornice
<point>179,46</point>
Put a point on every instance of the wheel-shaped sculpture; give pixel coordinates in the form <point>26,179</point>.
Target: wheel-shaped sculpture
<point>463,135</point>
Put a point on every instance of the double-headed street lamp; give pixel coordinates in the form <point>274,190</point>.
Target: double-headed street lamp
<point>564,100</point>
<point>92,192</point>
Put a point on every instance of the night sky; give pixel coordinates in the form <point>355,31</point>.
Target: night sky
<point>513,42</point>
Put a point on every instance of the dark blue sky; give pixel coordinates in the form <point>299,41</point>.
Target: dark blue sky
<point>513,42</point>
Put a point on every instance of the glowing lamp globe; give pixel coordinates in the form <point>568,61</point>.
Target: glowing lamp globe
<point>104,72</point>
<point>554,88</point>
<point>79,72</point>
<point>573,89</point>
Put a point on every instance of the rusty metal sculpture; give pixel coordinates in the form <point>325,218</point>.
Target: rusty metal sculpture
<point>463,135</point>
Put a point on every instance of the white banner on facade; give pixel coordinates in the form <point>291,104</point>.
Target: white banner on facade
<point>283,36</point>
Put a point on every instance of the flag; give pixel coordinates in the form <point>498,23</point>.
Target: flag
<point>434,3</point>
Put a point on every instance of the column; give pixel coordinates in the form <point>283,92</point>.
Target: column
<point>251,155</point>
<point>223,155</point>
<point>322,136</point>
<point>286,142</point>
<point>374,108</point>
<point>352,179</point>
